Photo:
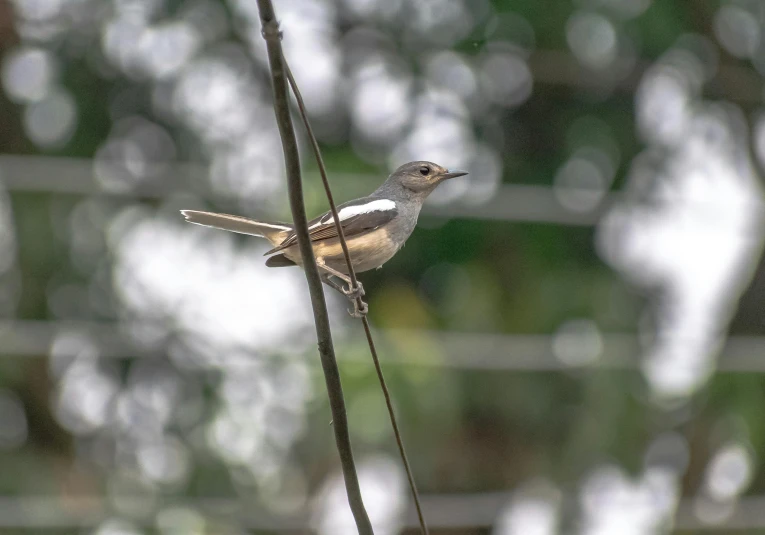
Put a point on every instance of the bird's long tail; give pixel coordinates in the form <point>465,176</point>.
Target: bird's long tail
<point>273,232</point>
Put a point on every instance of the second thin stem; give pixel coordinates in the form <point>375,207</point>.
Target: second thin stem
<point>354,282</point>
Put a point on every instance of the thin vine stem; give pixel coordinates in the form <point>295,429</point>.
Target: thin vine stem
<point>272,35</point>
<point>354,282</point>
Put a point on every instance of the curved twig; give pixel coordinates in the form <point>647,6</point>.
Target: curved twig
<point>352,275</point>
<point>272,35</point>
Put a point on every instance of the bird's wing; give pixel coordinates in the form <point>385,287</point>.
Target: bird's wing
<point>355,217</point>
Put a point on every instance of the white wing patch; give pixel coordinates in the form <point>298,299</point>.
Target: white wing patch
<point>378,205</point>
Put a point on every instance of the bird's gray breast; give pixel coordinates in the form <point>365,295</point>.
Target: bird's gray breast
<point>402,227</point>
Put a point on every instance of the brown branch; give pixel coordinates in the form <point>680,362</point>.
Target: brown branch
<point>272,35</point>
<point>352,274</point>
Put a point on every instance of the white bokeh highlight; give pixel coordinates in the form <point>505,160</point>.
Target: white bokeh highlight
<point>690,224</point>
<point>533,510</point>
<point>729,472</point>
<point>613,502</point>
<point>382,483</point>
<point>200,283</point>
<point>28,73</point>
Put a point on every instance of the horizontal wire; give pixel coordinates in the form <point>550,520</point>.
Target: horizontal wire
<point>47,174</point>
<point>458,350</point>
<point>529,203</point>
<point>445,511</point>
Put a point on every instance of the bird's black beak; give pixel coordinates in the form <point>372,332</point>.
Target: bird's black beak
<point>453,174</point>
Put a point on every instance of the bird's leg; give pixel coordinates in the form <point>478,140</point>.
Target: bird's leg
<point>360,308</point>
<point>351,292</point>
<point>326,279</point>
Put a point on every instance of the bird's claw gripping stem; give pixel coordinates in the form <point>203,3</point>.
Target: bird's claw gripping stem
<point>355,293</point>
<point>360,309</point>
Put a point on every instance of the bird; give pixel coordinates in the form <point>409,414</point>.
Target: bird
<point>375,228</point>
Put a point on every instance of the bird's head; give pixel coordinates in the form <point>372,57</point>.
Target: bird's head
<point>422,177</point>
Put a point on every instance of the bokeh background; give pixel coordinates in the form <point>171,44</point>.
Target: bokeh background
<point>574,336</point>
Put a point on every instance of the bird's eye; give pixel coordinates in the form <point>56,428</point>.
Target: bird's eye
<point>424,170</point>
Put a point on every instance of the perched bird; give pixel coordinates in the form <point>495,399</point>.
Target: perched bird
<point>375,227</point>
